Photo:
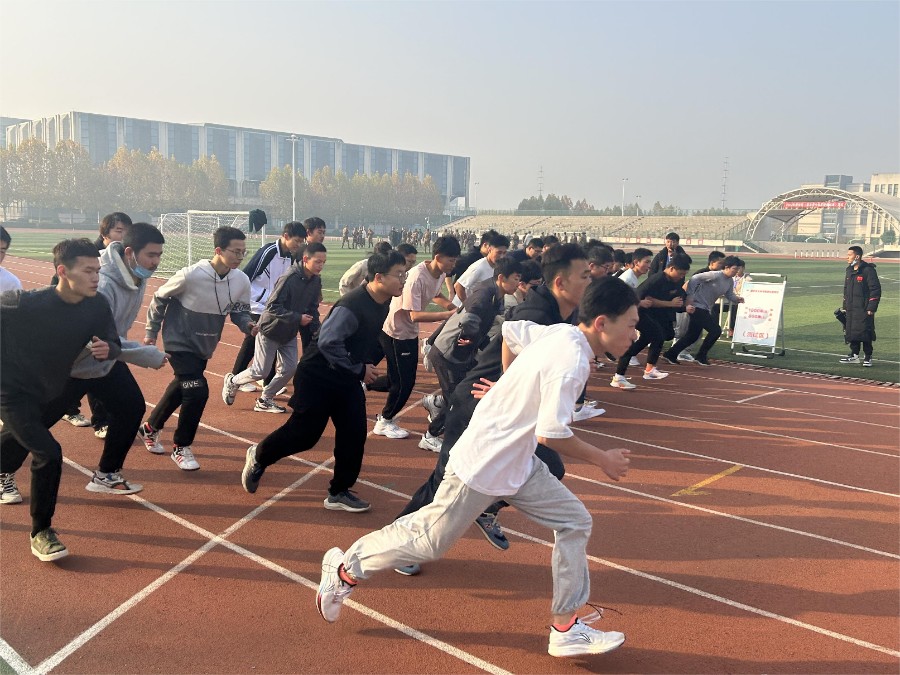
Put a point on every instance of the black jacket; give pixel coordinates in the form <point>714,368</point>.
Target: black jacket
<point>658,264</point>
<point>295,294</point>
<point>862,292</point>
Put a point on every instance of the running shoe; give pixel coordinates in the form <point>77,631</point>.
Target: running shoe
<point>654,374</point>
<point>112,484</point>
<point>150,438</point>
<point>581,639</point>
<point>346,501</point>
<point>252,471</point>
<point>268,405</point>
<point>248,388</point>
<point>102,431</point>
<point>229,389</point>
<point>429,442</point>
<point>634,362</point>
<point>850,358</point>
<point>332,589</point>
<point>184,458</point>
<point>47,546</point>
<point>686,357</point>
<point>387,428</point>
<point>409,570</point>
<point>77,420</point>
<point>490,528</point>
<point>9,491</point>
<point>619,382</point>
<point>432,405</point>
<point>587,412</point>
<point>867,363</point>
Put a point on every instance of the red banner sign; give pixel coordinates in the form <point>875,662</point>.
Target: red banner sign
<point>814,205</point>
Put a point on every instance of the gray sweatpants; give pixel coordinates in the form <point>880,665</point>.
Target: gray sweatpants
<point>265,353</point>
<point>428,533</point>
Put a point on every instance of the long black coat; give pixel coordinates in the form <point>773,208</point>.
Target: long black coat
<point>862,291</point>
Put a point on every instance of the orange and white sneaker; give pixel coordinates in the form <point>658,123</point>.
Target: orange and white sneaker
<point>582,639</point>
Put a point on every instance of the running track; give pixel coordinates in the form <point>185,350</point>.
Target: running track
<point>757,532</point>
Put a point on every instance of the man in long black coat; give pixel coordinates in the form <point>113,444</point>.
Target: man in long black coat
<point>862,291</point>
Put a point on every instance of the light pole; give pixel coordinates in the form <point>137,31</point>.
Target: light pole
<point>474,198</point>
<point>637,205</point>
<point>293,177</point>
<point>623,196</point>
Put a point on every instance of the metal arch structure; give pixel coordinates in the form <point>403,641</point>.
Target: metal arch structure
<point>858,201</point>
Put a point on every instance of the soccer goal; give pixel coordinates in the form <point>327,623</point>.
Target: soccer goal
<point>189,236</point>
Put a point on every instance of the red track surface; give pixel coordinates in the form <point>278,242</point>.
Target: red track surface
<point>787,565</point>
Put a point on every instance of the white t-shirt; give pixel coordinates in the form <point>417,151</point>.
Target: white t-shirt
<point>477,271</point>
<point>535,397</point>
<point>9,281</point>
<point>418,292</point>
<point>630,278</point>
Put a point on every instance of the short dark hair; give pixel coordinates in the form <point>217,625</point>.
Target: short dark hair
<point>535,242</point>
<point>607,296</point>
<point>531,270</point>
<point>732,261</point>
<point>673,236</point>
<point>311,249</point>
<point>641,253</point>
<point>225,235</point>
<point>382,264</point>
<point>680,261</point>
<point>600,255</point>
<point>383,247</point>
<point>138,235</point>
<point>857,250</point>
<point>551,240</point>
<point>558,259</point>
<point>294,229</point>
<point>619,255</point>
<point>314,223</point>
<point>405,249</point>
<point>4,236</point>
<point>68,250</point>
<point>109,222</point>
<point>629,258</point>
<point>507,266</point>
<point>500,241</point>
<point>714,256</point>
<point>486,237</point>
<point>447,245</point>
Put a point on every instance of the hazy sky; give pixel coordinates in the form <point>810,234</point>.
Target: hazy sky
<point>658,92</point>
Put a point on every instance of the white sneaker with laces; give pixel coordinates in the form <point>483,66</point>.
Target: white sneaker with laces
<point>634,361</point>
<point>654,374</point>
<point>267,405</point>
<point>184,458</point>
<point>387,428</point>
<point>430,403</point>
<point>151,439</point>
<point>9,491</point>
<point>229,389</point>
<point>332,589</point>
<point>619,382</point>
<point>587,412</point>
<point>582,639</point>
<point>429,442</point>
<point>112,484</point>
<point>77,420</point>
<point>684,356</point>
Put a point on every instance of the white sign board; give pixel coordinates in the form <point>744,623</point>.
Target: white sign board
<point>759,316</point>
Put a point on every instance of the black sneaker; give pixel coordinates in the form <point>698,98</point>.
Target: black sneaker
<point>850,358</point>
<point>701,362</point>
<point>346,501</point>
<point>487,523</point>
<point>671,360</point>
<point>47,546</point>
<point>252,471</point>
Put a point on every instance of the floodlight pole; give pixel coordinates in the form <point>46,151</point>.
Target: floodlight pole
<point>623,196</point>
<point>293,177</point>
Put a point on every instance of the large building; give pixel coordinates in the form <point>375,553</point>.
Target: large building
<point>846,224</point>
<point>246,155</point>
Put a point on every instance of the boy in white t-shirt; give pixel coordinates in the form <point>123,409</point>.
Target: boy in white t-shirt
<point>495,458</point>
<point>400,335</point>
<point>8,280</point>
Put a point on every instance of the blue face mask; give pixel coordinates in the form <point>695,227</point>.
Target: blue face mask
<point>138,271</point>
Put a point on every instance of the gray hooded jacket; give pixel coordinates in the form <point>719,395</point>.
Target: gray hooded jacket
<point>124,296</point>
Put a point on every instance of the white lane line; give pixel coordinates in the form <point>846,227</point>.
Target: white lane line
<point>14,659</point>
<point>733,427</point>
<point>768,393</point>
<point>722,460</point>
<point>742,519</point>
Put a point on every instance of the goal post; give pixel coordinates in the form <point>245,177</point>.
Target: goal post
<point>189,236</point>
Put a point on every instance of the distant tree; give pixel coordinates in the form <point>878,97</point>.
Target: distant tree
<point>10,179</point>
<point>34,170</point>
<point>889,237</point>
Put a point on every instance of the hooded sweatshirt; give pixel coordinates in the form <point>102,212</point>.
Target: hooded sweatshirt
<point>194,303</point>
<point>705,288</point>
<point>124,295</point>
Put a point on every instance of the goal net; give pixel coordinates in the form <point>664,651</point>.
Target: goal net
<point>189,236</point>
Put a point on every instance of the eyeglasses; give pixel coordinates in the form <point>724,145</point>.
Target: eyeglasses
<point>236,254</point>
<point>401,277</point>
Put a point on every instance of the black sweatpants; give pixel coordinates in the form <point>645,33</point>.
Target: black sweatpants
<point>402,358</point>
<point>700,320</point>
<point>24,432</point>
<point>449,375</point>
<point>650,334</point>
<point>189,390</point>
<point>866,347</point>
<point>315,401</point>
<point>123,405</point>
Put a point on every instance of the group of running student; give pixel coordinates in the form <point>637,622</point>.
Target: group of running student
<point>492,454</point>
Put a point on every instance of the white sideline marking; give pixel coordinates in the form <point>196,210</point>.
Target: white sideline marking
<point>15,661</point>
<point>768,393</point>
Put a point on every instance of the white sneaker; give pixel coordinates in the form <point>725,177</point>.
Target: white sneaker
<point>582,639</point>
<point>151,439</point>
<point>634,362</point>
<point>281,391</point>
<point>184,458</point>
<point>654,374</point>
<point>619,382</point>
<point>430,403</point>
<point>684,356</point>
<point>77,420</point>
<point>9,491</point>
<point>586,413</point>
<point>248,388</point>
<point>430,442</point>
<point>102,431</point>
<point>229,389</point>
<point>387,428</point>
<point>332,590</point>
<point>267,405</point>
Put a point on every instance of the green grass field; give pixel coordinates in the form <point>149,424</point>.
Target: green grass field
<point>812,337</point>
